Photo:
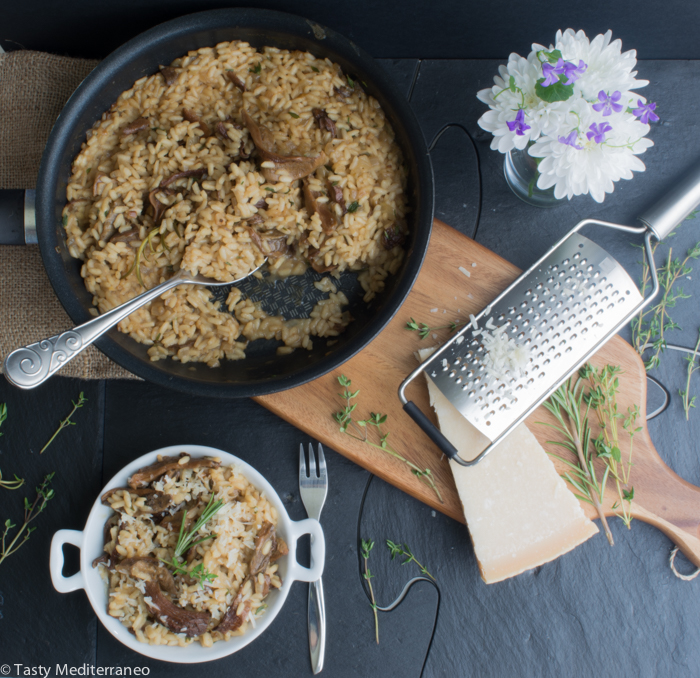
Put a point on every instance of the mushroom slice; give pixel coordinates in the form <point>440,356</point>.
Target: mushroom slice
<point>198,173</point>
<point>393,237</point>
<point>336,195</point>
<point>172,616</point>
<point>264,547</point>
<point>148,569</point>
<point>136,126</point>
<point>290,167</point>
<point>232,77</point>
<point>328,220</point>
<point>324,121</point>
<point>169,74</point>
<point>191,116</point>
<point>127,236</point>
<point>232,620</point>
<point>148,474</point>
<point>271,244</point>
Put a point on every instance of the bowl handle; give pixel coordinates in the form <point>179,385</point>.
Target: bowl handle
<point>298,572</point>
<point>65,584</point>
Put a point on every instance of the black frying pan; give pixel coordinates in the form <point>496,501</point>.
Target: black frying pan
<point>262,371</point>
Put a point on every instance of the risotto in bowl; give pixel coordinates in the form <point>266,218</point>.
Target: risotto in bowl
<point>187,555</point>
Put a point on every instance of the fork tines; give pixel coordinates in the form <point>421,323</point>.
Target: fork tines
<point>312,471</point>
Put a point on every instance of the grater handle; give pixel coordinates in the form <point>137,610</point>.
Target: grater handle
<point>433,432</point>
<point>662,217</point>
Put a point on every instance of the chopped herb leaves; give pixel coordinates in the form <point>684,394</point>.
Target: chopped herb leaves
<point>352,207</point>
<point>294,115</point>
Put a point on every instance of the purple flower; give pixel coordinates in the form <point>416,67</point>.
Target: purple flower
<point>598,132</point>
<point>550,74</point>
<point>645,112</point>
<point>572,71</point>
<point>518,125</point>
<point>571,140</point>
<point>608,103</point>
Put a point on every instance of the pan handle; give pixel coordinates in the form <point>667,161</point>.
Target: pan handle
<point>17,220</point>
<point>662,217</point>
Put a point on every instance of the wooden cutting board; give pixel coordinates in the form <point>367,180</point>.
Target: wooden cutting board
<point>442,294</point>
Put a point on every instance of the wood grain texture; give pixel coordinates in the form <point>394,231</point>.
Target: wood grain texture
<point>442,294</point>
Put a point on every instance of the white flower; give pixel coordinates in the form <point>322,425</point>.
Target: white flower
<point>609,69</point>
<point>594,166</point>
<point>505,100</point>
<point>581,150</point>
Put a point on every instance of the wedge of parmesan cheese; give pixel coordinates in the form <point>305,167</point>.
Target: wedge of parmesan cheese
<point>519,512</point>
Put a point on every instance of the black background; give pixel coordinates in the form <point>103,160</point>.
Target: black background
<point>596,611</point>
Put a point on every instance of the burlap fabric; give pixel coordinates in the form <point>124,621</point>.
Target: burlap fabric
<point>34,87</point>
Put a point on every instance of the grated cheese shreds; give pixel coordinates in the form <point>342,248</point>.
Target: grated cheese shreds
<point>503,354</point>
<point>464,270</point>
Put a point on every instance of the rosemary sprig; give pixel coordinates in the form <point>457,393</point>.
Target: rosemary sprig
<point>67,421</point>
<point>187,539</point>
<point>693,367</point>
<point>367,546</point>
<point>404,551</point>
<point>17,482</point>
<point>568,407</point>
<point>424,330</point>
<point>44,494</point>
<point>650,327</point>
<point>376,420</point>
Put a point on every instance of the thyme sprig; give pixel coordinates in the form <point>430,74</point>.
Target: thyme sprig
<point>570,410</point>
<point>688,401</point>
<point>425,330</point>
<point>17,482</point>
<point>44,494</point>
<point>404,551</point>
<point>367,546</point>
<point>187,539</point>
<point>650,327</point>
<point>359,430</point>
<point>602,399</point>
<point>67,421</point>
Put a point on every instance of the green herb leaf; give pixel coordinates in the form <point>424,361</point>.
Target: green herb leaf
<point>558,91</point>
<point>553,56</point>
<point>352,207</point>
<point>294,115</point>
<point>256,69</point>
<point>315,70</point>
<point>65,220</point>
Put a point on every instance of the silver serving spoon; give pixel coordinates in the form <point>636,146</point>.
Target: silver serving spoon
<point>31,365</point>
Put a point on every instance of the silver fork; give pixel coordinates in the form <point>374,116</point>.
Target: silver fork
<point>313,489</point>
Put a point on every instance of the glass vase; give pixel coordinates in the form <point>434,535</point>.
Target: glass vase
<point>520,170</point>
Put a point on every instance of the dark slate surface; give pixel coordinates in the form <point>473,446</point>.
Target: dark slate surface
<point>455,29</point>
<point>595,611</point>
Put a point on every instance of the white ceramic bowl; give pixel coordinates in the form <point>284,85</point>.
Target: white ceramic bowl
<point>90,542</point>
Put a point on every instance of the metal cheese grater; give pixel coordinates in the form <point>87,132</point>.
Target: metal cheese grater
<point>563,309</point>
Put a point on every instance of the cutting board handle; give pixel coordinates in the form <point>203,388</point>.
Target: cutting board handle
<point>666,501</point>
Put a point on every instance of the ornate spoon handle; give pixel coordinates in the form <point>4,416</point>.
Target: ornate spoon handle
<point>31,365</point>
